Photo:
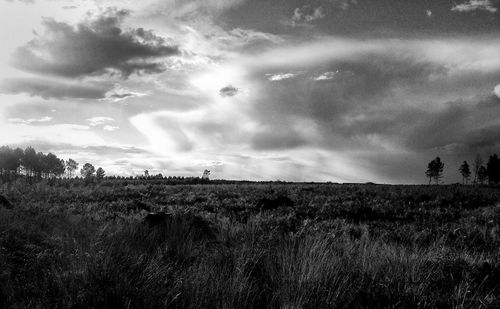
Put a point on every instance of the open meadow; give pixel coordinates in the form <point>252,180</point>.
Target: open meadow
<point>71,244</point>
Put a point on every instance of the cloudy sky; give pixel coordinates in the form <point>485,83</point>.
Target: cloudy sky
<point>319,90</point>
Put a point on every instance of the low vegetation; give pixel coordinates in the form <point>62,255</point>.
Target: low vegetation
<point>71,244</point>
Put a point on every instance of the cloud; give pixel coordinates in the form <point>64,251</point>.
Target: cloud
<point>307,14</point>
<point>496,91</point>
<point>99,120</point>
<point>228,91</point>
<point>343,4</point>
<point>120,93</point>
<point>189,8</point>
<point>400,99</point>
<point>52,89</point>
<point>245,39</point>
<point>284,140</point>
<point>93,47</point>
<point>85,150</point>
<point>326,76</point>
<point>471,124</point>
<point>110,128</point>
<point>25,1</point>
<point>114,149</point>
<point>29,121</point>
<point>475,5</point>
<point>280,76</point>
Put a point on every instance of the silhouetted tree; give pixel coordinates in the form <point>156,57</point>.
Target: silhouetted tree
<point>493,169</point>
<point>53,166</point>
<point>71,165</point>
<point>87,171</point>
<point>10,160</point>
<point>100,173</point>
<point>435,170</point>
<point>482,174</point>
<point>478,162</point>
<point>465,172</point>
<point>41,166</point>
<point>30,161</point>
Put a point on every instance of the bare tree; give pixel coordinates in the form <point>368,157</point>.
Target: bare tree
<point>478,162</point>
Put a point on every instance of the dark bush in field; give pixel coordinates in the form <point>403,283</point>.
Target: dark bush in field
<point>4,202</point>
<point>274,203</point>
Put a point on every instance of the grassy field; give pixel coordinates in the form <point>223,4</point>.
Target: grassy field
<point>68,244</point>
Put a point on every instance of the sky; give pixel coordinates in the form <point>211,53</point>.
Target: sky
<point>319,90</point>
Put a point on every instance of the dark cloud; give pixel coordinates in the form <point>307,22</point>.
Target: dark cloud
<point>93,47</point>
<point>368,18</point>
<point>470,123</point>
<point>270,140</point>
<point>228,91</point>
<point>121,96</point>
<point>388,112</point>
<point>356,87</point>
<point>49,89</point>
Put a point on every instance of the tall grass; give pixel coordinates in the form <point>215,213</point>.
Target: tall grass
<point>53,256</point>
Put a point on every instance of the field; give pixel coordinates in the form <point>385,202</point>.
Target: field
<point>71,244</point>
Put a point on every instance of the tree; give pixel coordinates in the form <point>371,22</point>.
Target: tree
<point>87,171</point>
<point>35,165</point>
<point>478,162</point>
<point>146,173</point>
<point>493,169</point>
<point>100,173</point>
<point>42,166</point>
<point>30,161</point>
<point>48,165</point>
<point>435,170</point>
<point>465,172</point>
<point>482,174</point>
<point>10,160</point>
<point>71,165</point>
<point>54,166</point>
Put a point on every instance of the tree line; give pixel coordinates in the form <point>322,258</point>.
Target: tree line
<point>15,162</point>
<point>480,173</point>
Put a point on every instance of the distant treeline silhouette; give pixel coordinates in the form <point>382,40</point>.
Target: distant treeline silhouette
<point>34,166</point>
<point>481,174</point>
<point>28,162</point>
<point>17,163</point>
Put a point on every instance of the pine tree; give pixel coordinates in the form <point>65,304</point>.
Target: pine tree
<point>465,172</point>
<point>435,170</point>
